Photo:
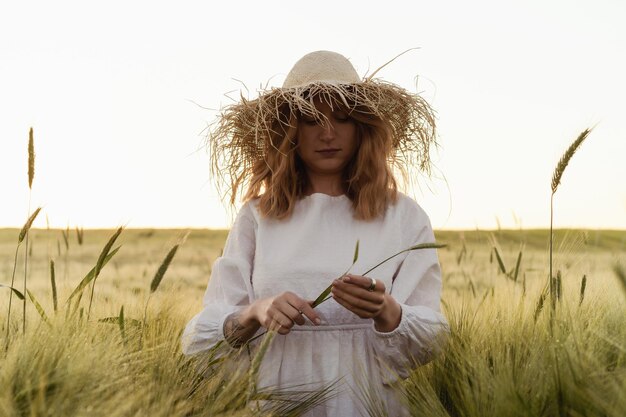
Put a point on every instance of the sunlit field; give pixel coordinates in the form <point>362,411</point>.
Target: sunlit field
<point>510,352</point>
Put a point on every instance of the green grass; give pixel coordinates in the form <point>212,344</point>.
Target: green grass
<point>499,360</point>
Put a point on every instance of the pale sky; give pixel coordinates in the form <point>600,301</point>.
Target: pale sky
<point>118,94</point>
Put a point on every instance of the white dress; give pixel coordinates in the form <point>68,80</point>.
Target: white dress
<point>303,254</point>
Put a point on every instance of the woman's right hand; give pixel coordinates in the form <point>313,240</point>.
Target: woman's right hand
<point>282,311</point>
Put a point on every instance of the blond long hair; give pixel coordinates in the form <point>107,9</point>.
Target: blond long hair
<point>253,145</point>
<point>279,179</point>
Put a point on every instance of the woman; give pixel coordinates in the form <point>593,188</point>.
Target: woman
<point>317,159</point>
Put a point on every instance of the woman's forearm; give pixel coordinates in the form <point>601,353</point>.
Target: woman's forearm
<point>240,326</point>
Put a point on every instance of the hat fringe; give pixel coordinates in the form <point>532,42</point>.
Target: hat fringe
<point>244,131</point>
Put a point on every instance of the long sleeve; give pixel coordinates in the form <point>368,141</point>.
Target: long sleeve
<point>229,287</point>
<point>417,287</point>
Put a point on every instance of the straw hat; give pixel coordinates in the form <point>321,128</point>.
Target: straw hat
<point>243,131</point>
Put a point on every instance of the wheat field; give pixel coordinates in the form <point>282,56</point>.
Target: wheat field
<point>509,353</point>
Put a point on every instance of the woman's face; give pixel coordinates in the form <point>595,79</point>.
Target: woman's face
<point>326,150</point>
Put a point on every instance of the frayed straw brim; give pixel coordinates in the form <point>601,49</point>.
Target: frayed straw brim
<point>243,131</point>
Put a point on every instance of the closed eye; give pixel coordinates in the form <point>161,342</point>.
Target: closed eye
<point>341,117</point>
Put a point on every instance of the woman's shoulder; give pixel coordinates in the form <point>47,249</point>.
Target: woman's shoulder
<point>248,212</point>
<point>407,206</point>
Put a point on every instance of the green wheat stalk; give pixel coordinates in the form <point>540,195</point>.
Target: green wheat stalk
<point>100,264</point>
<point>556,180</point>
<point>323,296</point>
<point>620,273</point>
<point>20,239</point>
<point>38,306</point>
<point>583,286</point>
<point>31,176</point>
<point>17,292</point>
<point>53,283</point>
<point>158,277</point>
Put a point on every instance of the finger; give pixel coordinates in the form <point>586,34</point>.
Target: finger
<point>310,313</point>
<point>294,314</point>
<point>364,282</point>
<point>357,302</point>
<point>304,308</point>
<point>280,318</point>
<point>359,312</point>
<point>359,292</point>
<point>284,306</point>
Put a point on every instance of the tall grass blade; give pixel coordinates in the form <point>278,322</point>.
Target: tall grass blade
<point>620,272</point>
<point>540,303</point>
<point>412,248</point>
<point>325,294</point>
<point>472,287</point>
<point>31,158</point>
<point>116,320</point>
<point>38,306</point>
<point>79,235</point>
<point>27,226</point>
<point>90,276</point>
<point>517,264</point>
<point>66,239</point>
<point>53,283</point>
<point>120,323</point>
<point>461,255</point>
<point>11,293</point>
<point>583,286</point>
<point>500,261</point>
<point>24,234</point>
<point>356,253</point>
<point>100,264</point>
<point>17,293</point>
<point>105,250</point>
<point>495,245</point>
<point>158,277</point>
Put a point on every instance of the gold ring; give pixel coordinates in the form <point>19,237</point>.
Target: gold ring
<point>372,286</point>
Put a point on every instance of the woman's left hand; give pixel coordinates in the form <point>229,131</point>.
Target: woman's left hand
<point>354,292</point>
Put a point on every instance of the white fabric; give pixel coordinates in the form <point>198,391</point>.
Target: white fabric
<point>303,254</point>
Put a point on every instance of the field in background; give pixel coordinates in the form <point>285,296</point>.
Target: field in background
<point>504,357</point>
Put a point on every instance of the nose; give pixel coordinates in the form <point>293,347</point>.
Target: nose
<point>328,132</point>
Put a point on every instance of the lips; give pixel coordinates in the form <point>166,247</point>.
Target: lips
<point>328,150</point>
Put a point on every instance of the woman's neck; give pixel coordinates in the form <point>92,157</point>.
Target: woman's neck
<point>325,185</point>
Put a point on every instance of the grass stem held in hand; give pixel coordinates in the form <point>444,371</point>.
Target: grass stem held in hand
<point>324,295</point>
